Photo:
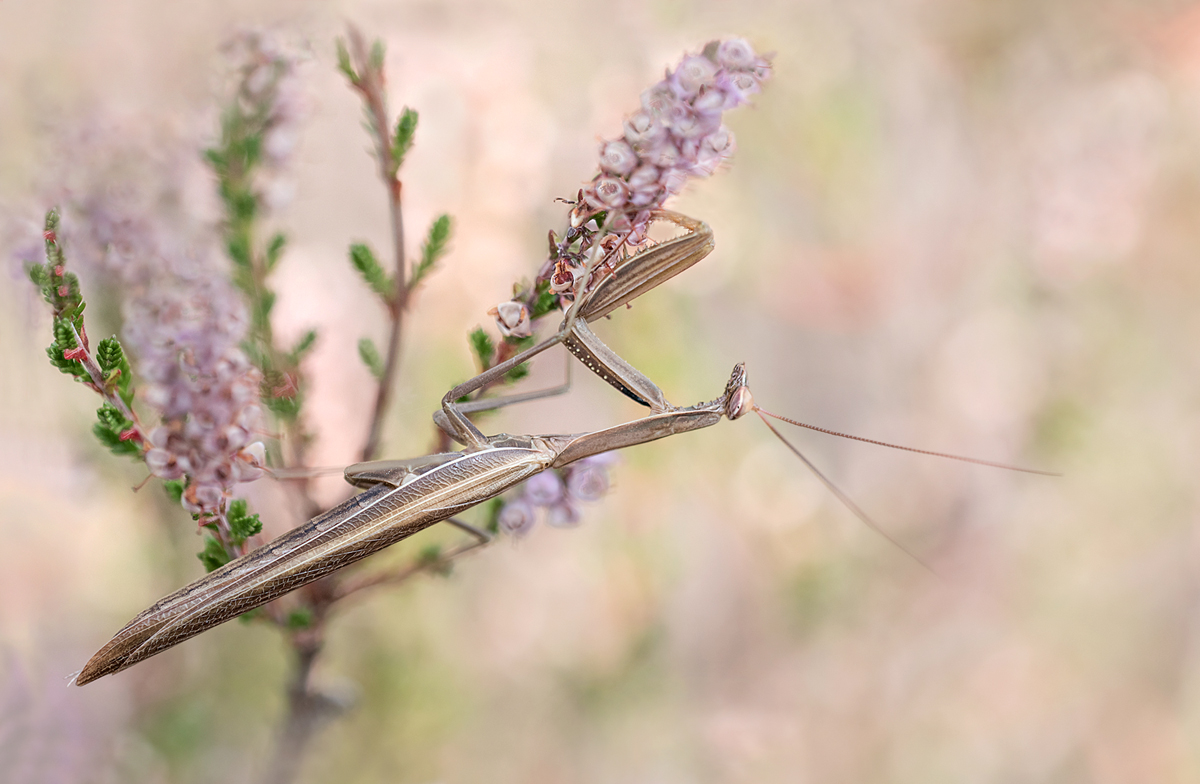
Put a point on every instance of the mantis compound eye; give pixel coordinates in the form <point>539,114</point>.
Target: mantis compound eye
<point>739,403</point>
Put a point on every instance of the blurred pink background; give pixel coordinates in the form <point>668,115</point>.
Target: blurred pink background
<point>964,226</point>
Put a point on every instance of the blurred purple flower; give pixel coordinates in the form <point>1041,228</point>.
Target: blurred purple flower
<point>559,493</point>
<point>184,320</point>
<point>588,482</point>
<point>544,489</point>
<point>517,517</point>
<point>185,336</point>
<point>563,515</point>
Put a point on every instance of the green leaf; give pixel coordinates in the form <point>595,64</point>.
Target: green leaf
<point>111,418</point>
<point>275,250</point>
<point>343,61</point>
<point>237,247</point>
<point>522,370</point>
<point>434,247</point>
<point>39,275</point>
<point>114,443</point>
<point>378,53</point>
<point>517,373</point>
<point>213,556</point>
<point>299,618</point>
<point>64,341</point>
<point>494,507</point>
<point>242,524</point>
<point>215,159</point>
<point>430,557</point>
<point>363,259</point>
<point>54,251</point>
<point>402,139</point>
<point>303,346</point>
<point>482,347</point>
<point>286,408</point>
<point>244,204</point>
<point>112,423</point>
<point>545,302</point>
<point>115,367</point>
<point>370,357</point>
<point>429,554</point>
<point>266,303</point>
<point>174,489</point>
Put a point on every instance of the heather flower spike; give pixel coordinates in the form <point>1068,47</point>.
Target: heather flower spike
<point>677,134</point>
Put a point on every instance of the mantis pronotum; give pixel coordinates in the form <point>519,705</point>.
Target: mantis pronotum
<point>402,498</point>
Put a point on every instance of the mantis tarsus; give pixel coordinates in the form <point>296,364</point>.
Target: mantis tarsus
<point>402,498</point>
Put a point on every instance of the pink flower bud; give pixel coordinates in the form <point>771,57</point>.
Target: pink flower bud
<point>736,54</point>
<point>739,86</point>
<point>690,124</point>
<point>618,158</point>
<point>692,74</point>
<point>664,156</point>
<point>642,130</point>
<point>645,186</point>
<point>607,193</point>
<point>659,102</point>
<point>711,102</point>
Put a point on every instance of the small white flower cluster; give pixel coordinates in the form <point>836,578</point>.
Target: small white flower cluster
<point>186,343</point>
<point>559,493</point>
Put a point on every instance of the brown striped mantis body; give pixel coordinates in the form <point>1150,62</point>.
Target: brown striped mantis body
<point>401,498</point>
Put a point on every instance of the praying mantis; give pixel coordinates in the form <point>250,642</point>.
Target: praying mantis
<point>403,497</point>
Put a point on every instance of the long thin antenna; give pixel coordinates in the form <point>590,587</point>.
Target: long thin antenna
<point>960,458</point>
<point>845,499</point>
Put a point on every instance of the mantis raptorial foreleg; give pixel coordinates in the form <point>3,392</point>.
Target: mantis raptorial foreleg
<point>632,277</point>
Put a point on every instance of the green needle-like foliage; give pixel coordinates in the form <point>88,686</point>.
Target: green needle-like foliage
<point>213,556</point>
<point>115,367</point>
<point>110,428</point>
<point>402,140</point>
<point>242,524</point>
<point>370,357</point>
<point>174,489</point>
<point>363,259</point>
<point>545,302</point>
<point>433,248</point>
<point>343,61</point>
<point>482,347</point>
<point>299,618</point>
<point>303,346</point>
